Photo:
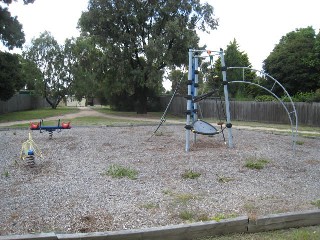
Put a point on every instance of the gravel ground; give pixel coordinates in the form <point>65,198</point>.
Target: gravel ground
<point>68,191</point>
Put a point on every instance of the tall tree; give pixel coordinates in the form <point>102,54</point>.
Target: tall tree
<point>293,61</point>
<point>86,64</point>
<point>177,76</point>
<point>11,36</point>
<point>141,38</point>
<point>315,59</point>
<point>50,58</point>
<point>11,33</point>
<point>31,75</point>
<point>10,75</point>
<point>235,58</point>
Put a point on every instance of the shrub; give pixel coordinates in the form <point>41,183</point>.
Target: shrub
<point>316,203</point>
<point>256,163</point>
<point>189,174</point>
<point>265,98</point>
<point>186,215</point>
<point>307,96</point>
<point>117,171</point>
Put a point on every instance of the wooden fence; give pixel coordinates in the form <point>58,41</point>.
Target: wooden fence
<point>251,111</point>
<point>21,102</point>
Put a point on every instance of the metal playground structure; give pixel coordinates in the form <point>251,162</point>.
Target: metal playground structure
<point>197,126</point>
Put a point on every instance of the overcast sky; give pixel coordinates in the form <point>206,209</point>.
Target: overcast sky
<point>257,25</point>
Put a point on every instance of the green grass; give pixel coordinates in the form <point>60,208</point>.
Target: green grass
<point>186,215</point>
<point>183,198</point>
<point>87,121</point>
<point>118,171</point>
<point>189,174</point>
<point>224,179</point>
<point>193,216</point>
<point>299,142</point>
<point>256,163</point>
<point>150,206</point>
<point>306,233</point>
<point>180,198</point>
<point>101,121</point>
<point>6,174</point>
<point>150,115</point>
<point>36,114</point>
<point>107,110</point>
<point>267,125</point>
<point>316,203</point>
<point>222,216</point>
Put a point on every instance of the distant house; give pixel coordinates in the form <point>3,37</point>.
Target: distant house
<point>71,101</point>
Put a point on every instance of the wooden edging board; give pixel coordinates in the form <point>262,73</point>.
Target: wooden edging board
<point>193,230</point>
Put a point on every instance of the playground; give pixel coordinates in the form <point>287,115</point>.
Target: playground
<point>91,178</point>
<point>70,189</point>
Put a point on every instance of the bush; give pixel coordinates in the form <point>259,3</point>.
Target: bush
<point>265,98</point>
<point>299,97</point>
<point>307,96</point>
<point>117,171</point>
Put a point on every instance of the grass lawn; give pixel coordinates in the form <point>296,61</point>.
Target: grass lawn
<point>103,121</point>
<point>151,115</point>
<point>306,233</point>
<point>36,114</point>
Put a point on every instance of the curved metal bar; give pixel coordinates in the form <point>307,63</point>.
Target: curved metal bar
<point>294,126</point>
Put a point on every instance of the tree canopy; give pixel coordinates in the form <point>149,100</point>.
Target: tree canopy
<point>10,75</point>
<point>11,34</point>
<point>295,61</point>
<point>87,67</point>
<point>233,58</point>
<point>55,65</point>
<point>142,37</point>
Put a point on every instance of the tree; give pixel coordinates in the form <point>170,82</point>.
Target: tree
<point>50,58</point>
<point>86,64</point>
<point>11,33</point>
<point>31,75</point>
<point>209,75</point>
<point>176,76</point>
<point>141,38</point>
<point>294,62</point>
<point>235,58</point>
<point>315,59</point>
<point>10,75</point>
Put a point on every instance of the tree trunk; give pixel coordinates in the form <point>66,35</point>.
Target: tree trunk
<point>54,104</point>
<point>50,103</point>
<point>141,97</point>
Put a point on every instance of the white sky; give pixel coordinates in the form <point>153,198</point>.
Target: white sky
<point>257,25</point>
<point>60,17</point>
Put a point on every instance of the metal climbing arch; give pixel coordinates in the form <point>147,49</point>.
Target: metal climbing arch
<point>265,81</point>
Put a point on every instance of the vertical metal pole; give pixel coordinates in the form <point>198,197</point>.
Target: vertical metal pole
<point>189,102</point>
<point>195,92</point>
<point>226,96</point>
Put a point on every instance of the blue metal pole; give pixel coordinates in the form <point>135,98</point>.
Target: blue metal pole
<point>195,91</point>
<point>189,101</point>
<point>226,96</point>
